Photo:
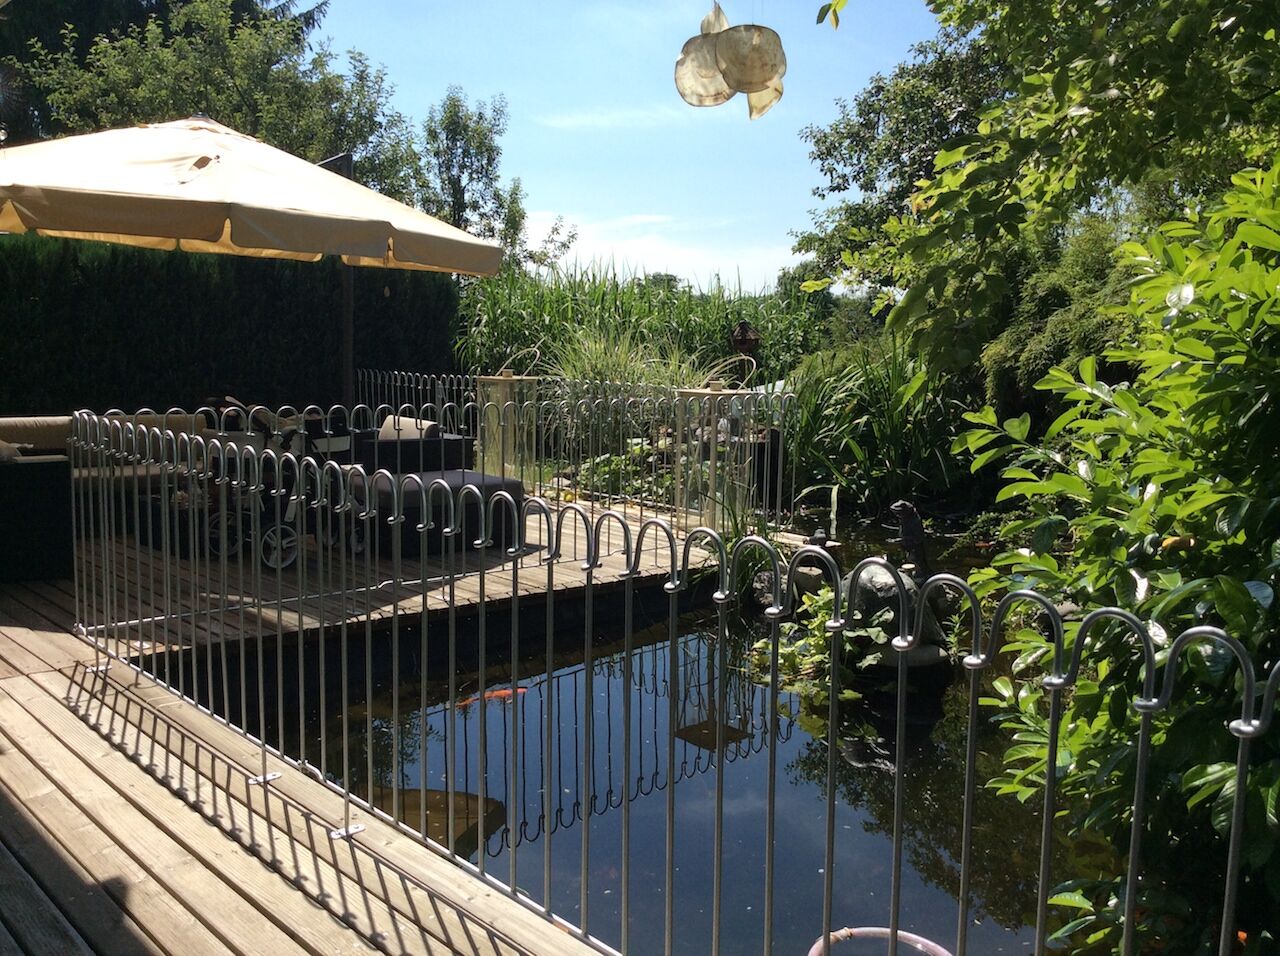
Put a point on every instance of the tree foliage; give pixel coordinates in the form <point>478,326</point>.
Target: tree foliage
<point>1106,95</point>
<point>461,182</point>
<point>27,26</point>
<point>256,74</point>
<point>883,141</point>
<point>1162,495</point>
<point>461,155</point>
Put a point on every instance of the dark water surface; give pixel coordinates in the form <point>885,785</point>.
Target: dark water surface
<point>480,750</point>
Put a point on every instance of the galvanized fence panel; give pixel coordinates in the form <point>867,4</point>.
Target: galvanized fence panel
<point>237,556</point>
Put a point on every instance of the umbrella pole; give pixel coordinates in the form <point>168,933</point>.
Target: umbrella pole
<point>348,337</point>
<point>344,165</point>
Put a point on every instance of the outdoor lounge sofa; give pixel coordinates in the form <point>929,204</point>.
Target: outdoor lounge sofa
<point>411,445</point>
<point>35,494</point>
<point>35,500</point>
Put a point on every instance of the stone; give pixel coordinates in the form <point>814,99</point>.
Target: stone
<point>877,592</point>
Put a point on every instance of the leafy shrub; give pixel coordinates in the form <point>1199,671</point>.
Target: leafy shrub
<point>612,355</point>
<point>1162,496</point>
<point>1059,315</point>
<point>638,473</point>
<point>875,423</point>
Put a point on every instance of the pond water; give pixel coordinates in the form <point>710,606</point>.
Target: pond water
<point>495,773</point>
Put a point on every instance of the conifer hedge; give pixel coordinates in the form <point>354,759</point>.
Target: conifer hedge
<point>86,324</point>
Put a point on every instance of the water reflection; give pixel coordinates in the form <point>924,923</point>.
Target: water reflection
<point>540,793</point>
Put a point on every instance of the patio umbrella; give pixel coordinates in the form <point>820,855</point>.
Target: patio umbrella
<point>200,186</point>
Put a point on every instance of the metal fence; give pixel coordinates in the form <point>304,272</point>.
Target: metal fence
<point>711,456</point>
<point>365,625</point>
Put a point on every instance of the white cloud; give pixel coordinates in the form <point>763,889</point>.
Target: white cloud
<point>649,242</point>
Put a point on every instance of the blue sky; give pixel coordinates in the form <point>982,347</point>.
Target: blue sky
<point>599,135</point>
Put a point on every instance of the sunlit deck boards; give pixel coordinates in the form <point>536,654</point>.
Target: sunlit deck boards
<point>194,601</point>
<point>128,824</point>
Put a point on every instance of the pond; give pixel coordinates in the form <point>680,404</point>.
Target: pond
<point>484,793</point>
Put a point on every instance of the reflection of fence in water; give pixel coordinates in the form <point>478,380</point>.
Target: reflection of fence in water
<point>746,727</point>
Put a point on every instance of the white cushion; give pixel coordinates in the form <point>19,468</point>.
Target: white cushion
<point>394,428</point>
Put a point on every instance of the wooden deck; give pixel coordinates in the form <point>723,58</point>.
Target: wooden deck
<point>195,602</point>
<point>128,824</point>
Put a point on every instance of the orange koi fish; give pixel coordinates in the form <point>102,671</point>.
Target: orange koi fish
<point>503,693</point>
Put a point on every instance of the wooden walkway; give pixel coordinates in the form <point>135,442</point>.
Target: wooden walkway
<point>195,602</point>
<point>128,824</point>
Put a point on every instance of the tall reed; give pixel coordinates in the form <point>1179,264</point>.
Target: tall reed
<point>532,319</point>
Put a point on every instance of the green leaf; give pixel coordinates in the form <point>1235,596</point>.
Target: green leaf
<point>1019,427</point>
<point>1195,349</point>
<point>911,305</point>
<point>1235,604</point>
<point>1075,899</point>
<point>909,390</point>
<point>988,456</point>
<point>948,157</point>
<point>1062,83</point>
<point>1256,235</point>
<point>1074,926</point>
<point>1261,592</point>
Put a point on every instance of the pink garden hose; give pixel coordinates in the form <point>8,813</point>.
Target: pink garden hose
<point>918,943</point>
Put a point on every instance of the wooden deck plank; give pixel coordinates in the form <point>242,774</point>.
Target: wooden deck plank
<point>289,839</point>
<point>59,608</point>
<point>302,600</point>
<point>77,893</point>
<point>56,649</point>
<point>8,945</point>
<point>451,891</point>
<point>19,606</point>
<point>33,921</point>
<point>71,835</point>
<point>19,659</point>
<point>166,861</point>
<point>254,907</point>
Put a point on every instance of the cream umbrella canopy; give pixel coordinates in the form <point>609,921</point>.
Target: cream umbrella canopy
<point>199,186</point>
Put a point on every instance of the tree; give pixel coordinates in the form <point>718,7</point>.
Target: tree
<point>514,237</point>
<point>1107,95</point>
<point>883,142</point>
<point>254,73</point>
<point>28,26</point>
<point>459,178</point>
<point>461,155</point>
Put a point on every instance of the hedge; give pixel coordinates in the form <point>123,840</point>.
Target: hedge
<point>87,324</point>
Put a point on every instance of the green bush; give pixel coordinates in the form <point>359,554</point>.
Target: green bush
<point>873,421</point>
<point>1161,496</point>
<point>1059,314</point>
